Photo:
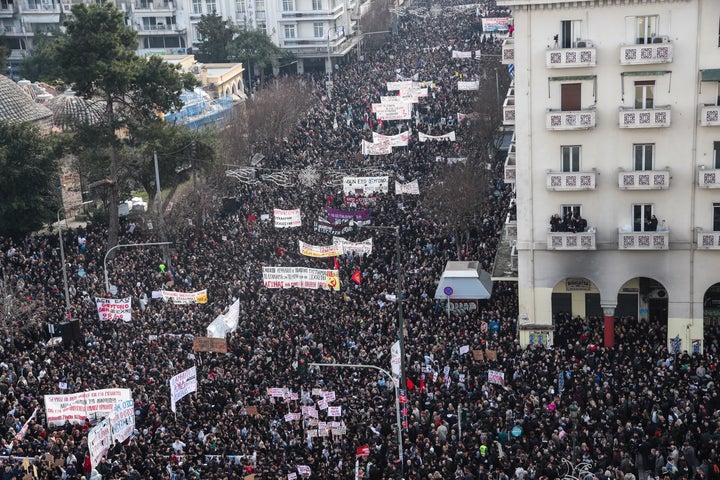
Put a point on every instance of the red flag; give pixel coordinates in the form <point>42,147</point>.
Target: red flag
<point>410,384</point>
<point>337,264</point>
<point>356,276</point>
<point>363,451</point>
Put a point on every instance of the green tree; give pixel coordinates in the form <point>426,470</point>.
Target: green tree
<point>98,58</point>
<point>28,183</point>
<point>254,49</point>
<point>3,53</point>
<point>216,35</point>
<point>41,64</point>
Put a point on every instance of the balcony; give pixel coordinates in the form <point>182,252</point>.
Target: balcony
<point>509,111</point>
<point>643,240</point>
<point>570,120</point>
<point>645,118</point>
<point>582,56</point>
<point>571,240</point>
<point>327,14</point>
<point>159,28</point>
<point>708,240</point>
<point>153,6</point>
<point>510,228</point>
<point>644,180</point>
<point>8,11</point>
<point>510,169</point>
<point>570,181</point>
<point>708,178</point>
<point>710,115</point>
<point>660,51</point>
<point>508,51</point>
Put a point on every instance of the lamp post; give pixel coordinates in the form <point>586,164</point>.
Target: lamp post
<point>397,401</point>
<point>127,245</point>
<point>62,253</point>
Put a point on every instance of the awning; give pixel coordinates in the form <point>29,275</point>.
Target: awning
<point>646,73</point>
<point>710,75</point>
<point>464,281</point>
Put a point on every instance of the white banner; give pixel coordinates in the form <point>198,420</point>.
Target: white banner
<point>492,24</point>
<point>301,277</point>
<point>225,322</point>
<point>393,111</point>
<point>114,309</point>
<point>459,54</point>
<point>356,248</point>
<point>399,140</point>
<point>391,86</point>
<point>410,188</point>
<point>99,441</point>
<point>185,298</point>
<point>496,377</point>
<point>365,185</point>
<point>287,218</point>
<point>378,148</point>
<point>321,251</point>
<point>395,362</point>
<point>334,411</point>
<point>122,420</point>
<point>448,137</point>
<point>469,85</point>
<point>76,407</point>
<point>182,384</point>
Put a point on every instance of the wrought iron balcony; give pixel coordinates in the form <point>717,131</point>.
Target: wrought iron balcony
<point>508,51</point>
<point>644,240</point>
<point>645,118</point>
<point>571,240</point>
<point>582,56</point>
<point>710,115</point>
<point>708,178</point>
<point>571,181</point>
<point>644,180</point>
<point>708,240</point>
<point>570,120</point>
<point>660,51</point>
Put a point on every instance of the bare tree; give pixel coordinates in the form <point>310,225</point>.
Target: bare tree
<point>375,25</point>
<point>18,313</point>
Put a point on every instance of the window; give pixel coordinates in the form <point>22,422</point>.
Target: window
<point>643,154</point>
<point>571,211</point>
<point>716,155</point>
<point>317,4</point>
<point>260,6</point>
<point>644,94</point>
<point>288,5</point>
<point>642,213</point>
<point>570,33</point>
<point>645,28</point>
<point>197,7</point>
<point>716,217</point>
<point>289,31</point>
<point>570,158</point>
<point>318,29</point>
<point>240,7</point>
<point>211,6</point>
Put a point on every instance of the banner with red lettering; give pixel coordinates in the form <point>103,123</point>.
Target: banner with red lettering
<point>76,407</point>
<point>114,309</point>
<point>380,148</point>
<point>399,140</point>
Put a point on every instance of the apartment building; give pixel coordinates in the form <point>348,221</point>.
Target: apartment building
<point>616,111</point>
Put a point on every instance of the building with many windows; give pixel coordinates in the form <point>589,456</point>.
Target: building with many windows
<point>616,161</point>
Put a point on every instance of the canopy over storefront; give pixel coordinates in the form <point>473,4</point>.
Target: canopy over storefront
<point>464,281</point>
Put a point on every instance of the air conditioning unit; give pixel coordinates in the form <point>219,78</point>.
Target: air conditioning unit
<point>658,294</point>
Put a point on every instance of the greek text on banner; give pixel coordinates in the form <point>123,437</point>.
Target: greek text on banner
<point>301,277</point>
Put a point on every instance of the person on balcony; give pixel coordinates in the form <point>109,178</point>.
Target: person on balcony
<point>580,224</point>
<point>555,223</point>
<point>651,224</point>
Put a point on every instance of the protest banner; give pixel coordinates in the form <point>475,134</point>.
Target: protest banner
<point>323,225</point>
<point>356,201</point>
<point>380,148</point>
<point>122,420</point>
<point>356,248</point>
<point>468,86</point>
<point>319,251</point>
<point>182,384</point>
<point>209,344</point>
<point>99,442</point>
<point>301,277</point>
<point>365,185</point>
<point>410,188</point>
<point>287,218</point>
<point>393,111</point>
<point>185,298</point>
<point>448,137</point>
<point>404,85</point>
<point>496,24</point>
<point>399,140</point>
<point>362,217</point>
<point>498,378</point>
<point>114,309</point>
<point>76,407</point>
<point>478,355</point>
<point>225,322</point>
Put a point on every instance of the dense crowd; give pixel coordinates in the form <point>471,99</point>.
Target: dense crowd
<point>631,410</point>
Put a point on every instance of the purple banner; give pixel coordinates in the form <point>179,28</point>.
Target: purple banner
<point>335,215</point>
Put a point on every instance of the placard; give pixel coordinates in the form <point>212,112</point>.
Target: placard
<point>209,344</point>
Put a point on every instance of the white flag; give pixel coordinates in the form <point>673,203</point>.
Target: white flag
<point>182,384</point>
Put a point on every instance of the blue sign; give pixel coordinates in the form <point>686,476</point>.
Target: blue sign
<point>516,431</point>
<point>448,291</point>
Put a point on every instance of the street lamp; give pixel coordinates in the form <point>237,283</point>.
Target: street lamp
<point>397,401</point>
<point>62,252</point>
<point>127,245</point>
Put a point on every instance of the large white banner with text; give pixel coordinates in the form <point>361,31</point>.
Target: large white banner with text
<point>287,218</point>
<point>301,277</point>
<point>114,309</point>
<point>76,407</point>
<point>182,384</point>
<point>366,185</point>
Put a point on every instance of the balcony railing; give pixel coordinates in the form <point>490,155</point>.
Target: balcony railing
<point>644,180</point>
<point>708,240</point>
<point>570,120</point>
<point>570,57</point>
<point>710,115</point>
<point>661,51</point>
<point>571,240</point>
<point>28,7</point>
<point>509,111</point>
<point>508,51</point>
<point>645,118</point>
<point>510,168</point>
<point>159,28</point>
<point>159,6</point>
<point>571,181</point>
<point>708,178</point>
<point>514,258</point>
<point>511,229</point>
<point>643,240</point>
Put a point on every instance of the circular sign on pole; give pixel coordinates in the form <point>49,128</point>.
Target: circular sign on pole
<point>516,431</point>
<point>448,291</point>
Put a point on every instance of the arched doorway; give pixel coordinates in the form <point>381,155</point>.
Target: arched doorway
<point>711,317</point>
<point>643,299</point>
<point>577,314</point>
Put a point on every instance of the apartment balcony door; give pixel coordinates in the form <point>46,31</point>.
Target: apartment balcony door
<point>570,97</point>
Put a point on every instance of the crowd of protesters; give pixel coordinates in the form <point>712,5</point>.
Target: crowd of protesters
<point>631,411</point>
